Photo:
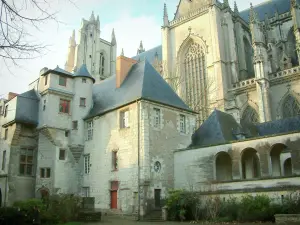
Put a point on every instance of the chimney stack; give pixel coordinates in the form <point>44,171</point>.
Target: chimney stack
<point>123,66</point>
<point>11,95</point>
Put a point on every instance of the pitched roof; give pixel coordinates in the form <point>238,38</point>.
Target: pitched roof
<point>222,128</point>
<point>83,72</point>
<point>58,70</point>
<point>142,82</point>
<point>268,7</point>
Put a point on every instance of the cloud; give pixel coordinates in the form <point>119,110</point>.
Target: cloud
<point>130,31</point>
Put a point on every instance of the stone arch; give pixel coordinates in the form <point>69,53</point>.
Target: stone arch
<point>287,167</point>
<point>250,164</point>
<point>291,47</point>
<point>249,115</point>
<point>192,61</point>
<point>275,158</point>
<point>248,51</point>
<point>223,166</point>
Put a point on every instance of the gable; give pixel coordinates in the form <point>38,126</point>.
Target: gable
<point>185,6</point>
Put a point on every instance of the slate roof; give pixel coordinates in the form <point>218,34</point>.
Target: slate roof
<point>142,82</point>
<point>150,55</point>
<point>222,128</point>
<point>268,7</point>
<point>58,70</point>
<point>83,72</point>
<point>27,108</point>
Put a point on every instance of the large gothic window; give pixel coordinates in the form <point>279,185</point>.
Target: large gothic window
<point>101,64</point>
<point>249,116</point>
<point>248,58</point>
<point>195,80</point>
<point>291,48</point>
<point>290,107</point>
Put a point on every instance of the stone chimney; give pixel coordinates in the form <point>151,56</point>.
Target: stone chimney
<point>122,68</point>
<point>11,95</point>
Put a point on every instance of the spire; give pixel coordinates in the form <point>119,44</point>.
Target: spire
<point>253,16</point>
<point>140,49</point>
<point>166,19</point>
<point>236,10</point>
<point>72,41</point>
<point>122,52</point>
<point>113,38</point>
<point>92,18</point>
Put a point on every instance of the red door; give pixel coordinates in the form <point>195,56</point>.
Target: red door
<point>114,199</point>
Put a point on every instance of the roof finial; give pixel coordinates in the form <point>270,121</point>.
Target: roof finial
<point>122,52</point>
<point>236,10</point>
<point>140,49</point>
<point>166,19</point>
<point>113,38</point>
<point>253,18</point>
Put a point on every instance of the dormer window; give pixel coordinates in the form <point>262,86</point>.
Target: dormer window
<point>62,81</point>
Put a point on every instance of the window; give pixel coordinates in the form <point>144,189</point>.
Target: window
<point>26,162</point>
<point>101,64</point>
<point>124,119</point>
<point>66,133</point>
<point>44,106</point>
<point>62,81</point>
<point>87,164</point>
<point>64,106</point>
<point>3,160</point>
<point>83,80</point>
<point>5,110</point>
<point>62,154</point>
<point>46,79</point>
<point>115,160</point>
<point>45,172</point>
<point>1,110</point>
<point>156,117</point>
<point>75,125</point>
<point>89,135</point>
<point>82,102</point>
<point>182,124</point>
<point>6,134</point>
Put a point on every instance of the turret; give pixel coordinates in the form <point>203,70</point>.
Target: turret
<point>113,53</point>
<point>71,53</point>
<point>140,49</point>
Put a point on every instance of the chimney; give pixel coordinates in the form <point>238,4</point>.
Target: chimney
<point>11,95</point>
<point>122,68</point>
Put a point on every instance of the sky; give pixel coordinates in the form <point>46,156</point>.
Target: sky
<point>133,21</point>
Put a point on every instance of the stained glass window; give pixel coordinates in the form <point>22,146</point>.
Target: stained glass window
<point>250,116</point>
<point>290,107</point>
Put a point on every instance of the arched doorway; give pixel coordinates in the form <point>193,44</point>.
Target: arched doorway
<point>223,167</point>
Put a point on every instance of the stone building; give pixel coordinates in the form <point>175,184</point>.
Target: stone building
<point>110,141</point>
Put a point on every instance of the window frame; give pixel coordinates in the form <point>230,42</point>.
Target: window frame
<point>45,172</point>
<point>156,117</point>
<point>124,119</point>
<point>83,80</point>
<point>62,108</point>
<point>89,130</point>
<point>64,155</point>
<point>73,125</point>
<point>87,163</point>
<point>182,123</point>
<point>24,152</point>
<point>46,79</point>
<point>62,78</point>
<point>84,102</point>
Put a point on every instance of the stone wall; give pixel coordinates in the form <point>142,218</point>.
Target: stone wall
<point>287,218</point>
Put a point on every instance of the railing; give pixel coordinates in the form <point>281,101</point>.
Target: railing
<point>244,83</point>
<point>284,73</point>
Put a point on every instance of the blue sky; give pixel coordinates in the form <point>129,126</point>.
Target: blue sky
<point>133,20</point>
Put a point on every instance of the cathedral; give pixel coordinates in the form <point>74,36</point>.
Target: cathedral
<point>214,109</point>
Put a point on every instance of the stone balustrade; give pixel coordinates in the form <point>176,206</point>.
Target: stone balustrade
<point>284,73</point>
<point>244,83</point>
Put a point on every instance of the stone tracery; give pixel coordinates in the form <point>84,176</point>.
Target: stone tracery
<point>290,107</point>
<point>195,80</point>
<point>249,116</point>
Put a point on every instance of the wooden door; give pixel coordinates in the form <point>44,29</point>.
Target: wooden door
<point>114,199</point>
<point>157,198</point>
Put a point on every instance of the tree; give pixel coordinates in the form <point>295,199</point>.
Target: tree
<point>198,102</point>
<point>17,17</point>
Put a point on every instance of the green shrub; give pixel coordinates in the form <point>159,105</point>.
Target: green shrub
<point>229,209</point>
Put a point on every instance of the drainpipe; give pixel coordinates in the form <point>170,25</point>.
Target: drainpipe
<point>139,195</point>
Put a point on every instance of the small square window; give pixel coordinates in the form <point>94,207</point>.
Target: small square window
<point>66,133</point>
<point>82,102</point>
<point>124,119</point>
<point>156,117</point>
<point>45,172</point>
<point>62,81</point>
<point>62,154</point>
<point>75,125</point>
<point>83,80</point>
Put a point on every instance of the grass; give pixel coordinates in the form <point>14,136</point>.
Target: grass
<point>71,223</point>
